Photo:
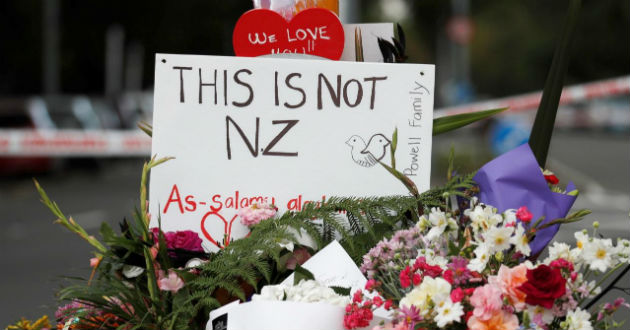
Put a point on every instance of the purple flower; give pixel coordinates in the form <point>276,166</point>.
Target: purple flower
<point>409,316</point>
<point>461,273</point>
<point>71,310</point>
<point>404,243</point>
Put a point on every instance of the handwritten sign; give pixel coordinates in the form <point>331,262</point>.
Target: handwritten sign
<point>283,131</point>
<point>314,31</point>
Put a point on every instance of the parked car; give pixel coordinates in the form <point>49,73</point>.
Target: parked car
<point>27,113</point>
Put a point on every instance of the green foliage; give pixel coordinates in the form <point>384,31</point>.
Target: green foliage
<point>301,274</point>
<point>542,130</point>
<point>243,266</point>
<point>357,223</point>
<point>449,123</point>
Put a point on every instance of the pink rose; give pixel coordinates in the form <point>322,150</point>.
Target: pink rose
<point>183,239</point>
<point>299,257</point>
<point>487,301</point>
<point>500,319</point>
<point>509,280</point>
<point>171,283</point>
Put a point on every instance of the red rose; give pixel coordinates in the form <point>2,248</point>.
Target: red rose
<point>552,179</point>
<point>544,285</point>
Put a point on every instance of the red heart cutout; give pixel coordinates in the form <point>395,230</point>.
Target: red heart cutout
<point>314,31</point>
<point>227,229</point>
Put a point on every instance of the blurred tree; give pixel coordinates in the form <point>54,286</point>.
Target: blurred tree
<point>514,40</point>
<point>510,52</point>
<point>187,27</point>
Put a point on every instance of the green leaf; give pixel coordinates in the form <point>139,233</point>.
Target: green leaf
<point>451,163</point>
<point>146,128</point>
<point>452,248</point>
<point>449,123</point>
<point>393,146</point>
<point>411,186</point>
<point>341,290</point>
<point>540,137</point>
<point>301,273</point>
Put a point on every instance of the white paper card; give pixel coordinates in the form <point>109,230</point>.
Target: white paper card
<point>283,131</point>
<point>332,266</point>
<point>369,34</point>
<point>278,315</point>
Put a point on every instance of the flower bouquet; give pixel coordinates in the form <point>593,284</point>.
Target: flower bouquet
<point>470,270</point>
<point>431,262</point>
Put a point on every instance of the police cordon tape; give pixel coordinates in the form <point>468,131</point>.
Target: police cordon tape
<point>74,143</point>
<point>530,101</point>
<point>127,143</point>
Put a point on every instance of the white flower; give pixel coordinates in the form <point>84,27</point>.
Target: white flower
<point>431,257</point>
<point>448,312</point>
<point>287,245</point>
<point>423,223</point>
<point>509,216</point>
<point>557,251</point>
<point>482,218</point>
<point>195,262</point>
<point>520,240</point>
<point>132,271</point>
<point>598,254</point>
<point>482,255</point>
<point>306,291</point>
<point>434,290</point>
<point>578,320</point>
<point>581,239</point>
<point>439,222</point>
<point>535,312</point>
<point>270,292</point>
<point>498,238</point>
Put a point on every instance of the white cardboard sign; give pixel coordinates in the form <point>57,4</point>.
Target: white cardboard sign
<point>282,131</point>
<point>370,33</point>
<point>332,266</point>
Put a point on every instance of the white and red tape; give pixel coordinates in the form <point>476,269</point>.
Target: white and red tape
<point>117,143</point>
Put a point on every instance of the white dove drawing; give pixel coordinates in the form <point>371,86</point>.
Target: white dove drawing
<point>370,154</point>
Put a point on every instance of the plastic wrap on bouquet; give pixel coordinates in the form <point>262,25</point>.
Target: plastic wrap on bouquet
<point>514,179</point>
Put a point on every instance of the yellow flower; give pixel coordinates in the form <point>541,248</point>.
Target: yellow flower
<point>430,292</point>
<point>25,324</point>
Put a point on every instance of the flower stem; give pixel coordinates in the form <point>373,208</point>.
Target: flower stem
<point>610,286</point>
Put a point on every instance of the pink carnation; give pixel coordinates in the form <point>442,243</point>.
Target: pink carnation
<point>523,214</point>
<point>256,213</point>
<point>487,301</point>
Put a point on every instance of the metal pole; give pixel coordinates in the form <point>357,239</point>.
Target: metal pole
<point>134,67</point>
<point>50,55</point>
<point>114,57</point>
<point>349,11</point>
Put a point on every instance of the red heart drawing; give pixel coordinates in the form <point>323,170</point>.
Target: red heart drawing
<point>227,229</point>
<point>313,31</point>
